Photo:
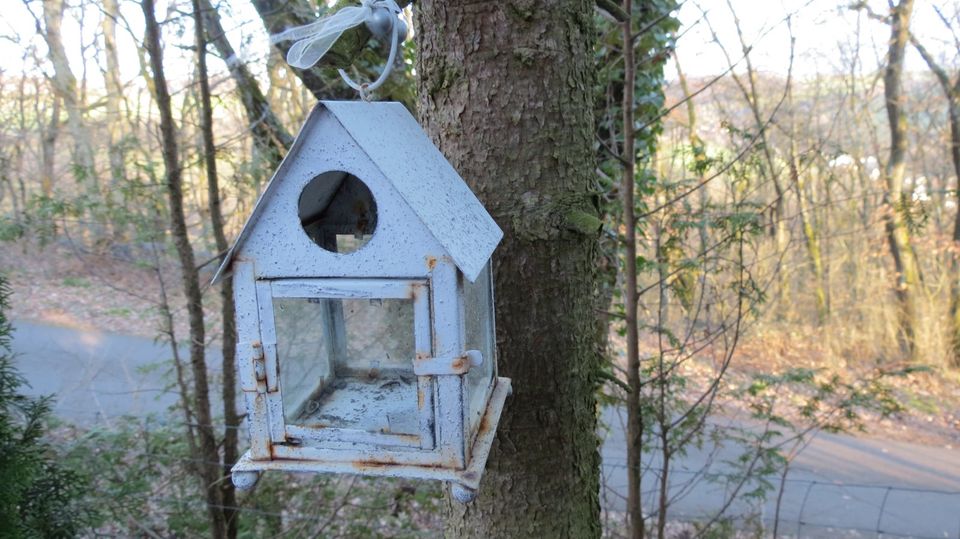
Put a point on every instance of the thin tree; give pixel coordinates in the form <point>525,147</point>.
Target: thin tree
<point>894,196</point>
<point>269,134</point>
<point>951,91</point>
<point>628,156</point>
<point>65,85</point>
<point>229,333</point>
<point>771,170</point>
<point>807,219</point>
<point>207,467</point>
<point>113,97</point>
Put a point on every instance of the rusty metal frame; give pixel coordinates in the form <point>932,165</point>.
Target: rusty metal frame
<point>432,234</point>
<point>288,460</point>
<point>416,290</point>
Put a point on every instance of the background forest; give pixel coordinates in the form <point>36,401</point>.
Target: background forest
<point>758,206</point>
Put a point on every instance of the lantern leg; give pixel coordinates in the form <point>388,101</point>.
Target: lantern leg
<point>462,493</point>
<point>245,480</point>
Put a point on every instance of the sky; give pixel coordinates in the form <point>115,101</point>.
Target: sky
<point>825,31</point>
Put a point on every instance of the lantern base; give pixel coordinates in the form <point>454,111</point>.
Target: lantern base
<point>467,479</point>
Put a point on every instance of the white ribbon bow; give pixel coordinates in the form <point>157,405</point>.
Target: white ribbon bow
<point>315,39</point>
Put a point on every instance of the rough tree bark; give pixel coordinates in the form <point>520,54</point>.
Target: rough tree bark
<point>208,467</point>
<point>505,90</point>
<point>228,338</point>
<point>898,235</point>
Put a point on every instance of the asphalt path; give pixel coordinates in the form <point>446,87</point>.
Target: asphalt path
<point>838,486</point>
<point>97,376</point>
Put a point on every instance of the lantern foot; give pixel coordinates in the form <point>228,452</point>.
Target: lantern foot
<point>245,480</point>
<point>461,493</point>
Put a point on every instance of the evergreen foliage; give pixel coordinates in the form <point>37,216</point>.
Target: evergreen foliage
<point>38,497</point>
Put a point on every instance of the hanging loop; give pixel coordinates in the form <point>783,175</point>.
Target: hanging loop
<point>313,40</point>
<point>365,88</point>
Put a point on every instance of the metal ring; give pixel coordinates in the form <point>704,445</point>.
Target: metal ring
<point>363,89</point>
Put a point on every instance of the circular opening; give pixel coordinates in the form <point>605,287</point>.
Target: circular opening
<point>338,212</point>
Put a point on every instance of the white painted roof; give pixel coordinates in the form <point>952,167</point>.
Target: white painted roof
<point>398,147</point>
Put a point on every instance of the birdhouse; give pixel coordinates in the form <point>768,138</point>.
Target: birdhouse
<point>364,307</point>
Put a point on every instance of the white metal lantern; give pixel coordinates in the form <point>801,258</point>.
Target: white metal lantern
<point>365,307</point>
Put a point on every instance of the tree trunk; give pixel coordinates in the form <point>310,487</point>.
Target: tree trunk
<point>269,135</point>
<point>810,234</point>
<point>229,336</point>
<point>952,92</point>
<point>955,258</point>
<point>635,520</point>
<point>113,97</point>
<point>208,467</point>
<point>505,90</point>
<point>48,146</point>
<point>898,235</point>
<point>65,86</point>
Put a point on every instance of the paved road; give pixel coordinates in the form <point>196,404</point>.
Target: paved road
<point>839,486</point>
<point>96,375</point>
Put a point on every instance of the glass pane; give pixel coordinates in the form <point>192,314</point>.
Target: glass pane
<point>347,363</point>
<point>479,326</point>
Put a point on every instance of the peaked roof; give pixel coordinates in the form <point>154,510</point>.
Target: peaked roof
<point>397,145</point>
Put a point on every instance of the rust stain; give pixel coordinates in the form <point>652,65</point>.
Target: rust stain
<point>484,425</point>
<point>431,262</point>
<point>422,356</point>
<point>372,464</point>
<point>419,398</point>
<point>458,364</point>
<point>414,291</point>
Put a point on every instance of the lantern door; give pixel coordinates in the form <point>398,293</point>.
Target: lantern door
<point>344,352</point>
<point>479,335</point>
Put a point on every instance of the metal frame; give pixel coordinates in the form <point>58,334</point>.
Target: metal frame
<point>431,234</point>
<point>330,462</point>
<point>472,435</point>
<point>281,432</point>
<point>439,452</point>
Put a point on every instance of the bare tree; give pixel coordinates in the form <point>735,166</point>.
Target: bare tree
<point>268,132</point>
<point>896,199</point>
<point>228,336</point>
<point>951,91</point>
<point>65,85</point>
<point>199,418</point>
